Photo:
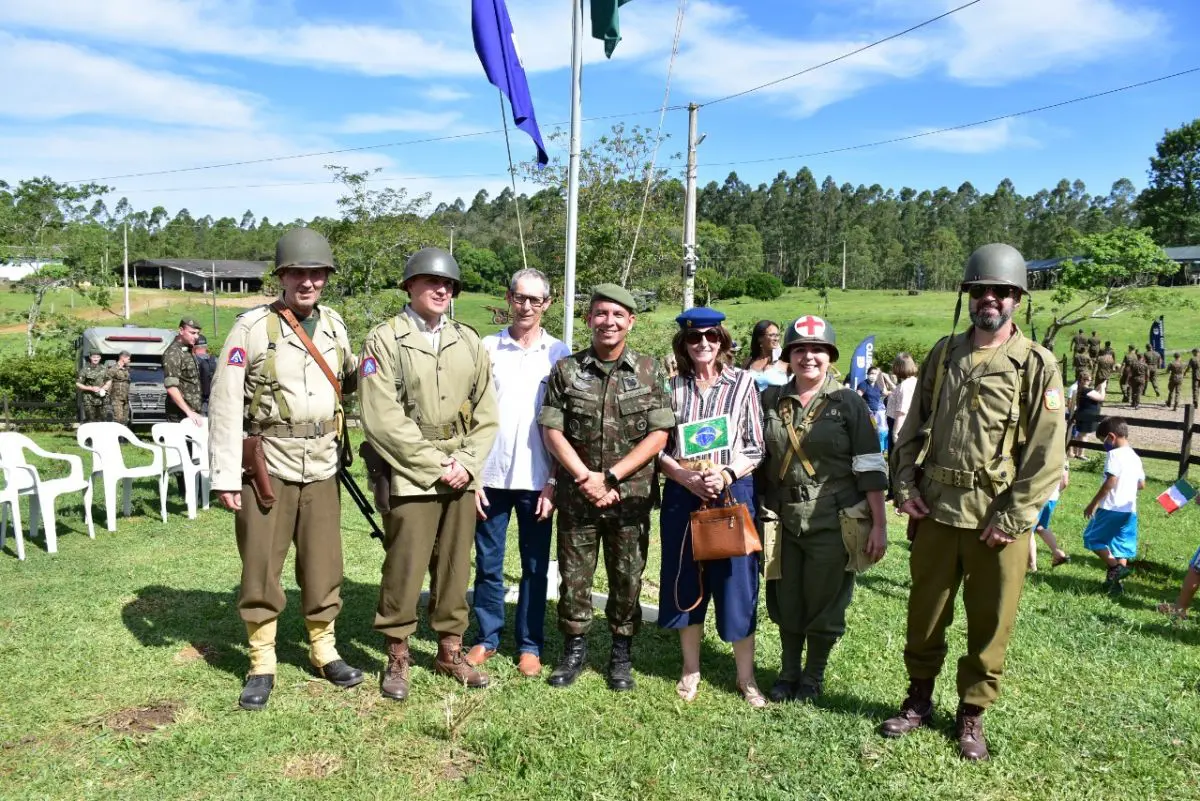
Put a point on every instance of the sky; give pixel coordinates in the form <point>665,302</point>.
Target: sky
<point>106,90</point>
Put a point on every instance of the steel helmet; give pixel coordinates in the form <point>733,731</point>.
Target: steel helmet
<point>433,261</point>
<point>303,247</point>
<point>810,329</point>
<point>996,264</point>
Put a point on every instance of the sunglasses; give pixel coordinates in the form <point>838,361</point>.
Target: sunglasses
<point>695,337</point>
<point>999,291</point>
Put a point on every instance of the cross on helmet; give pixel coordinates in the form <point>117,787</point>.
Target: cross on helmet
<point>810,329</point>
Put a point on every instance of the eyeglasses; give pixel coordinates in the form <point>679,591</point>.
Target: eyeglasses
<point>1000,291</point>
<point>693,337</point>
<point>521,300</point>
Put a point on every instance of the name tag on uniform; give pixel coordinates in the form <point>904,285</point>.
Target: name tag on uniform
<point>584,380</point>
<point>629,383</point>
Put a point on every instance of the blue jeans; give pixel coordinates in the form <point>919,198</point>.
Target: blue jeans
<point>533,537</point>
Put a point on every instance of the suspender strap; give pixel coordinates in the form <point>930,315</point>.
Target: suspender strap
<point>797,435</point>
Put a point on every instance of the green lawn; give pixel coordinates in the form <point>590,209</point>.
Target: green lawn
<point>122,660</point>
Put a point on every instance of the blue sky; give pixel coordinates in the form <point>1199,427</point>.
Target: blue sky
<point>98,89</point>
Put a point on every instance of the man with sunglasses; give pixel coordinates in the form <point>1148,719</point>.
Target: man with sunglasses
<point>981,450</point>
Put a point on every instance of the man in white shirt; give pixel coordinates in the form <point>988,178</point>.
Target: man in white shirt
<point>517,475</point>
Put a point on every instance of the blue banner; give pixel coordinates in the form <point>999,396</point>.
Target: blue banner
<point>496,46</point>
<point>864,357</point>
<point>1158,338</point>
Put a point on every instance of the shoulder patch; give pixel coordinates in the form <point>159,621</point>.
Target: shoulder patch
<point>368,367</point>
<point>1052,400</point>
<point>237,357</point>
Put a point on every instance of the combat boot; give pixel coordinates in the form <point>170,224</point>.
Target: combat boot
<point>261,678</point>
<point>325,659</point>
<point>451,662</point>
<point>394,683</point>
<point>812,680</point>
<point>620,664</point>
<point>570,665</point>
<point>968,728</point>
<point>787,685</point>
<point>915,712</point>
<point>256,691</point>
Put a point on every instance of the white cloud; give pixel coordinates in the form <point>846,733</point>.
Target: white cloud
<point>60,80</point>
<point>989,138</point>
<point>442,123</point>
<point>439,93</point>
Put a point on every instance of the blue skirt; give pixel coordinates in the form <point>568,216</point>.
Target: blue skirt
<point>732,584</point>
<point>1115,532</point>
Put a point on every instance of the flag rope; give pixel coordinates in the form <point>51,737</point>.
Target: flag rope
<point>512,177</point>
<point>662,114</point>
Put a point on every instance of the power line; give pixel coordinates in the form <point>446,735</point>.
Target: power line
<point>844,56</point>
<point>910,137</point>
<point>304,183</point>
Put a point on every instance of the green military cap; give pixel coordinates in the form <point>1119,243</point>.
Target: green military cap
<point>616,293</point>
<point>189,322</point>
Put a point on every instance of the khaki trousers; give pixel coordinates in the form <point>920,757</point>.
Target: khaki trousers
<point>992,579</point>
<point>310,516</point>
<point>431,533</point>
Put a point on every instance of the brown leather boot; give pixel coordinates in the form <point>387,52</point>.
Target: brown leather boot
<point>450,662</point>
<point>394,684</point>
<point>968,727</point>
<point>915,712</point>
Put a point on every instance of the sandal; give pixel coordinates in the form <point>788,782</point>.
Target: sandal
<point>1172,611</point>
<point>688,687</point>
<point>752,695</point>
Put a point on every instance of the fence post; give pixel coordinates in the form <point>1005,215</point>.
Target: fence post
<point>6,423</point>
<point>1185,451</point>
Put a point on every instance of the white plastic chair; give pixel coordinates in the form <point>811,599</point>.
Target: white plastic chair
<point>193,465</point>
<point>25,480</point>
<point>103,441</point>
<point>9,496</point>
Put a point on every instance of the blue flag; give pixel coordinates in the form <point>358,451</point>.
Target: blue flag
<point>496,46</point>
<point>1158,337</point>
<point>864,357</point>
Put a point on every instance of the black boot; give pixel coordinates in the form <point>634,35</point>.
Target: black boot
<point>812,680</point>
<point>620,664</point>
<point>788,683</point>
<point>256,691</point>
<point>340,674</point>
<point>570,665</point>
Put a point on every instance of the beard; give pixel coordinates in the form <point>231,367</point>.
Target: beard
<point>989,323</point>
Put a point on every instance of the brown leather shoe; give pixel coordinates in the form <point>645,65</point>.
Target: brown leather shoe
<point>968,727</point>
<point>394,684</point>
<point>479,654</point>
<point>915,712</point>
<point>451,662</point>
<point>529,665</point>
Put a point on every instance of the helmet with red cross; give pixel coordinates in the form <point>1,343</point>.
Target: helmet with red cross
<point>810,329</point>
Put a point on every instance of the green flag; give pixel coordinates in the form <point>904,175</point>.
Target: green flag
<point>605,24</point>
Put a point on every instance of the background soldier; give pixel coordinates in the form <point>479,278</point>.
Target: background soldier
<point>92,383</point>
<point>1108,348</point>
<point>981,450</point>
<point>1131,358</point>
<point>1139,371</point>
<point>206,365</point>
<point>118,388</point>
<point>1105,367</point>
<point>1079,341</point>
<point>268,377</point>
<point>429,412</point>
<point>1193,367</point>
<point>605,417</point>
<point>1083,363</point>
<point>1175,371</point>
<point>1154,361</point>
<point>181,376</point>
<point>1093,345</point>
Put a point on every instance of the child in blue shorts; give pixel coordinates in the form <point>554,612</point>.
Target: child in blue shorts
<point>1187,592</point>
<point>1111,531</point>
<point>1042,527</point>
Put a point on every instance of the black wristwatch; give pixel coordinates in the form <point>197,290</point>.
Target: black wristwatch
<point>610,479</point>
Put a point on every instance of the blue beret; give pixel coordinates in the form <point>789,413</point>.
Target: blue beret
<point>700,317</point>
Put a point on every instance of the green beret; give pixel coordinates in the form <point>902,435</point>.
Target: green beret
<point>616,293</point>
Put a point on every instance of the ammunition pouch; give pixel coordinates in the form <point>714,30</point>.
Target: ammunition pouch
<point>856,531</point>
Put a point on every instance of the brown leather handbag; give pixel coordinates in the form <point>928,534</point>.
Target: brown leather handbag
<point>723,530</point>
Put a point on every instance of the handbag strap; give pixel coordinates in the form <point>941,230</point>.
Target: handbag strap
<point>687,533</point>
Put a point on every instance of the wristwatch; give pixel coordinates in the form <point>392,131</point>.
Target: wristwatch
<point>610,479</point>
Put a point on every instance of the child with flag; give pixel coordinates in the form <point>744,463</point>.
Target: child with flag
<point>1111,531</point>
<point>1175,498</point>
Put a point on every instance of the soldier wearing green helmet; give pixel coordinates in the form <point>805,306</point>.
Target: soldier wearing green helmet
<point>982,448</point>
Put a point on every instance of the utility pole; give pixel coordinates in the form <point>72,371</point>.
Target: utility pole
<point>452,240</point>
<point>126,271</point>
<point>214,297</point>
<point>843,265</point>
<point>689,215</point>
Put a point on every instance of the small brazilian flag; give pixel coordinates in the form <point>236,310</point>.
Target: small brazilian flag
<point>703,436</point>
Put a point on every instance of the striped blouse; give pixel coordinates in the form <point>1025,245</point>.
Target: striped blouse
<point>734,394</point>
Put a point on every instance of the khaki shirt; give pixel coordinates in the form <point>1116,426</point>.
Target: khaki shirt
<point>420,406</point>
<point>974,413</point>
<point>306,391</point>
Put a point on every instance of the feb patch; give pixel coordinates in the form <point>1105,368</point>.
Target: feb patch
<point>368,367</point>
<point>237,357</point>
<point>1052,400</point>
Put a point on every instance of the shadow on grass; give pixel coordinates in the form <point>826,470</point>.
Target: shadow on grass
<point>882,585</point>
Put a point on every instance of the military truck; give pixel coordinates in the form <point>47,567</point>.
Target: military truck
<point>147,395</point>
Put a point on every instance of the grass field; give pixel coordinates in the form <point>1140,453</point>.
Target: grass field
<point>122,660</point>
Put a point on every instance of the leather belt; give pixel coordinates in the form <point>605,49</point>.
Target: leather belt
<point>444,431</point>
<point>296,430</point>
<point>964,479</point>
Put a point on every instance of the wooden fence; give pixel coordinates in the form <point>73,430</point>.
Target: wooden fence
<point>13,414</point>
<point>1184,458</point>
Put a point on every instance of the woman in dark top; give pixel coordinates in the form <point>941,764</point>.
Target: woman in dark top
<point>1088,403</point>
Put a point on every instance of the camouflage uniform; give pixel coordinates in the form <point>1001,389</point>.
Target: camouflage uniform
<point>1175,371</point>
<point>1131,358</point>
<point>1138,372</point>
<point>93,375</point>
<point>118,393</point>
<point>1079,342</point>
<point>1193,367</point>
<point>1154,361</point>
<point>1083,362</point>
<point>1093,346</point>
<point>180,370</point>
<point>1105,367</point>
<point>604,410</point>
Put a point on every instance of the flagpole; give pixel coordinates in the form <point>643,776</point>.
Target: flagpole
<point>573,172</point>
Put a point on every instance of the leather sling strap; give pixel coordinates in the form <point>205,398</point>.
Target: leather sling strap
<point>283,311</point>
<point>797,436</point>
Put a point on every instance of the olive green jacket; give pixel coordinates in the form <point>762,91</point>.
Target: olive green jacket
<point>968,478</point>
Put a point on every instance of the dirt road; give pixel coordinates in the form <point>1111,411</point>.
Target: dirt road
<point>150,299</point>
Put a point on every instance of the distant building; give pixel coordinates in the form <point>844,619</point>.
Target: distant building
<point>198,275</point>
<point>1043,272</point>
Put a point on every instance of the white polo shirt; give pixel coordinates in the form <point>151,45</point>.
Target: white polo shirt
<point>518,460</point>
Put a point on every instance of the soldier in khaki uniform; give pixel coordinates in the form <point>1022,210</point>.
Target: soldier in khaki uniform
<point>1175,372</point>
<point>118,388</point>
<point>605,417</point>
<point>268,384</point>
<point>981,450</point>
<point>429,412</point>
<point>1154,362</point>
<point>92,383</point>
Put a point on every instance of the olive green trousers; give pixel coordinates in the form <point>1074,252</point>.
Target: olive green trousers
<point>943,557</point>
